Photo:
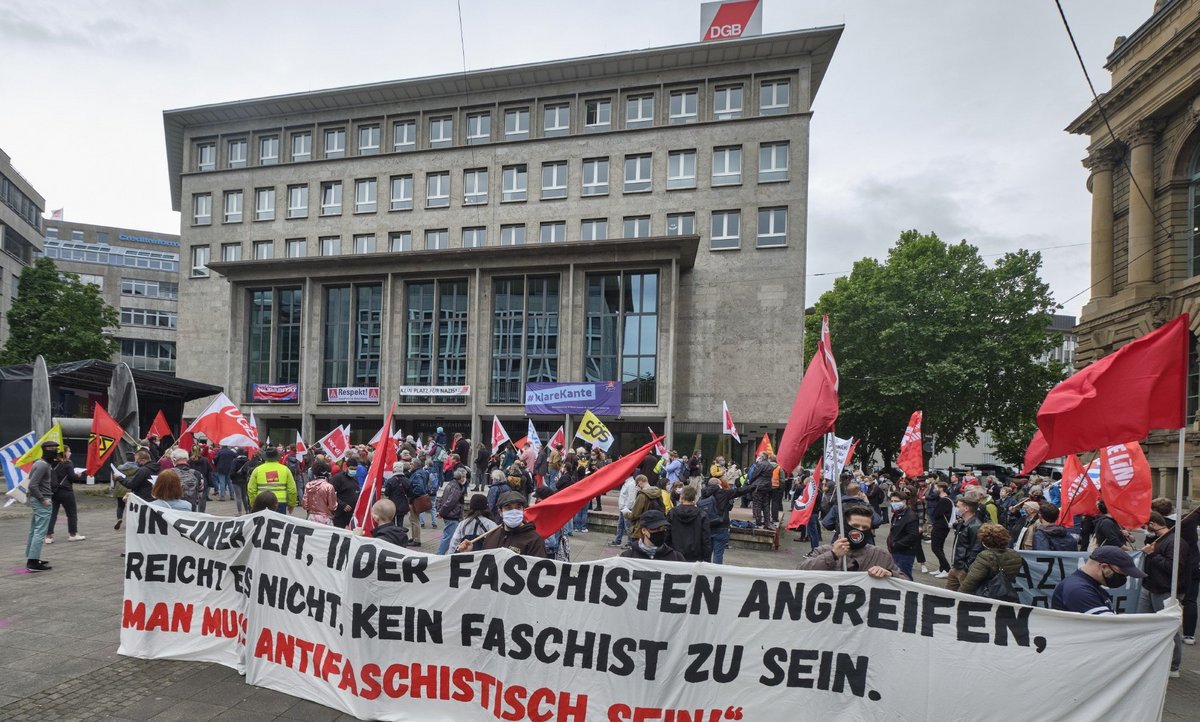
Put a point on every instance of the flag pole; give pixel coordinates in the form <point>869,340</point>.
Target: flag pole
<point>837,489</point>
<point>1178,510</point>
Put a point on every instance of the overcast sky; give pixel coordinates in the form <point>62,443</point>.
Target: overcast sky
<point>942,116</point>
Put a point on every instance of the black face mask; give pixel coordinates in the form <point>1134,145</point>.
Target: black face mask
<point>1115,580</point>
<point>859,538</point>
<point>658,538</point>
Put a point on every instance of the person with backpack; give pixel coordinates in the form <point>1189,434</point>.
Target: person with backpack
<point>1107,531</point>
<point>478,521</point>
<point>625,499</point>
<point>200,464</point>
<point>451,508</point>
<point>688,528</point>
<point>994,569</point>
<point>239,477</point>
<point>190,479</point>
<point>1052,536</point>
<point>716,501</point>
<point>648,497</point>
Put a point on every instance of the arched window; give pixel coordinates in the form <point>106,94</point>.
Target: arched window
<point>1194,214</point>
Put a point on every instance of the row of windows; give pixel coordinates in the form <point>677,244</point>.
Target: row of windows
<point>111,256</point>
<point>149,355</point>
<point>514,187</point>
<point>725,234</point>
<point>21,204</point>
<point>620,335</point>
<point>147,317</point>
<point>640,111</point>
<point>149,289</point>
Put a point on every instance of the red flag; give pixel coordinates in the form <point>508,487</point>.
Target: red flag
<point>660,449</point>
<point>1122,396</point>
<point>499,435</point>
<point>301,447</point>
<point>223,424</point>
<point>102,442</point>
<point>1080,491</point>
<point>1125,483</point>
<point>551,514</point>
<point>912,459</point>
<point>336,443</point>
<point>816,405</point>
<point>559,440</point>
<point>764,445</point>
<point>372,491</point>
<point>802,507</point>
<point>160,427</point>
<point>727,426</point>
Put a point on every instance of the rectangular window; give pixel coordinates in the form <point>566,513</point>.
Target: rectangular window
<point>773,162</point>
<point>475,237</point>
<point>262,313</point>
<point>364,244</point>
<point>296,247</point>
<point>206,156</point>
<point>231,252</point>
<point>621,333</point>
<point>681,224</point>
<point>237,153</point>
<point>264,204</point>
<point>268,150</point>
<point>233,206</point>
<point>301,146</point>
<point>557,120</point>
<point>595,176</point>
<point>400,241</point>
<point>637,173</point>
<point>637,226</point>
<point>512,235</point>
<point>404,135</point>
<point>597,115</point>
<point>593,229</point>
<point>479,128</point>
<point>297,202</point>
<point>681,169</point>
<point>515,183</point>
<point>475,186</point>
<point>76,235</point>
<point>437,189</point>
<point>1193,378</point>
<point>368,140</point>
<point>639,111</point>
<point>554,179</point>
<point>435,337</point>
<point>331,198</point>
<point>353,325</point>
<point>147,317</point>
<point>199,262</point>
<point>139,287</point>
<point>727,166</point>
<point>525,326</point>
<point>683,107</point>
<point>274,336</point>
<point>437,239</point>
<point>774,97</point>
<point>727,102</point>
<point>441,132</point>
<point>331,245</point>
<point>726,229</point>
<point>402,193</point>
<point>772,227</point>
<point>554,232</point>
<point>335,143</point>
<point>51,233</point>
<point>516,124</point>
<point>149,355</point>
<point>263,250</point>
<point>364,195</point>
<point>201,209</point>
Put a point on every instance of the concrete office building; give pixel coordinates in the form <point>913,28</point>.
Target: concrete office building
<point>636,217</point>
<point>21,210</point>
<point>137,272</point>
<point>1145,184</point>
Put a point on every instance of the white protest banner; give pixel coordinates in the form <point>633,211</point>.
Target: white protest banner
<point>384,632</point>
<point>1041,571</point>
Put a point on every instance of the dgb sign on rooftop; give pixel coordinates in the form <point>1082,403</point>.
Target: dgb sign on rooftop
<point>729,20</point>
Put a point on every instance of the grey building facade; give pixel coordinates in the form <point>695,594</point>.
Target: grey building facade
<point>21,208</point>
<point>637,217</point>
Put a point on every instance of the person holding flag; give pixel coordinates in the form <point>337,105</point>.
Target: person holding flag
<point>63,496</point>
<point>41,476</point>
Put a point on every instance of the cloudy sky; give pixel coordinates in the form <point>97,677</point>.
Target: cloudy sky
<point>942,116</point>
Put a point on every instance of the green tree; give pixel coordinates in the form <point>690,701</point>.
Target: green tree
<point>58,316</point>
<point>936,328</point>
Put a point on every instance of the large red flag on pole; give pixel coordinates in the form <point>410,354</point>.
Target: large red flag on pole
<point>102,442</point>
<point>159,426</point>
<point>1125,483</point>
<point>385,457</point>
<point>912,458</point>
<point>1122,396</point>
<point>816,406</point>
<point>551,514</point>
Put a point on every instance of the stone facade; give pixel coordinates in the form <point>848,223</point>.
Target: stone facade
<point>21,210</point>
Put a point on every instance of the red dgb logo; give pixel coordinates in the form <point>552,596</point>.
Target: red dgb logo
<point>731,19</point>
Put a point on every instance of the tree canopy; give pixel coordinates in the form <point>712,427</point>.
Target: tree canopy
<point>58,316</point>
<point>936,328</point>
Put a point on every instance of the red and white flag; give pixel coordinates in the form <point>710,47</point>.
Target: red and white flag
<point>254,432</point>
<point>912,458</point>
<point>336,443</point>
<point>727,426</point>
<point>1080,490</point>
<point>532,437</point>
<point>383,460</point>
<point>816,406</point>
<point>1125,483</point>
<point>559,440</point>
<point>499,435</point>
<point>659,448</point>
<point>301,447</point>
<point>802,507</point>
<point>56,214</point>
<point>223,424</point>
<point>380,434</point>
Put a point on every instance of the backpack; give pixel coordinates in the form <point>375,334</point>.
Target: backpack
<point>709,506</point>
<point>193,484</point>
<point>999,588</point>
<point>416,483</point>
<point>655,503</point>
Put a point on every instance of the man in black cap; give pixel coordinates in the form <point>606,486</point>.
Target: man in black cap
<point>514,533</point>
<point>1084,592</point>
<point>652,541</point>
<point>40,476</point>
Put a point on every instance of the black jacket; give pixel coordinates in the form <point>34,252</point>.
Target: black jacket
<point>905,534</point>
<point>689,533</point>
<point>1158,565</point>
<point>943,509</point>
<point>346,487</point>
<point>664,553</point>
<point>64,477</point>
<point>451,508</point>
<point>966,543</point>
<point>724,499</point>
<point>396,490</point>
<point>224,460</point>
<point>1108,532</point>
<point>139,481</point>
<point>1054,538</point>
<point>391,532</point>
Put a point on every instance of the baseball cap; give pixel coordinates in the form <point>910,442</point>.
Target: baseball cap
<point>510,497</point>
<point>1119,558</point>
<point>653,519</point>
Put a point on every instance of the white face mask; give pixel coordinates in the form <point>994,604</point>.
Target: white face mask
<point>513,517</point>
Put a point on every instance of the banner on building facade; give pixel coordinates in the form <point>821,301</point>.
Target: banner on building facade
<point>1042,571</point>
<point>384,632</point>
<point>352,395</point>
<point>547,398</point>
<point>435,390</point>
<point>274,392</point>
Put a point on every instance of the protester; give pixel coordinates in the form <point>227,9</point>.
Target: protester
<point>857,546</point>
<point>168,492</point>
<point>383,515</point>
<point>1158,561</point>
<point>191,479</point>
<point>265,501</point>
<point>451,509</point>
<point>966,541</point>
<point>649,497</point>
<point>759,478</point>
<point>320,498</point>
<point>1031,510</point>
<point>939,517</point>
<point>721,494</point>
<point>243,466</point>
<point>651,540</point>
<point>688,529</point>
<point>1083,592</point>
<point>223,467</point>
<point>853,496</point>
<point>477,521</point>
<point>274,477</point>
<point>625,499</point>
<point>346,489</point>
<point>1187,528</point>
<point>996,558</point>
<point>1107,532</point>
<point>41,479</point>
<point>137,481</point>
<point>199,463</point>
<point>1051,536</point>
<point>558,547</point>
<point>62,495</point>
<point>513,533</point>
<point>904,534</point>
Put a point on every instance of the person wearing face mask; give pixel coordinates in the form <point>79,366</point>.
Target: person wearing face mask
<point>41,480</point>
<point>857,546</point>
<point>1083,591</point>
<point>513,533</point>
<point>904,535</point>
<point>966,541</point>
<point>1156,587</point>
<point>652,541</point>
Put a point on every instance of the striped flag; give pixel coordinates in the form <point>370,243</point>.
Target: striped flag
<point>14,474</point>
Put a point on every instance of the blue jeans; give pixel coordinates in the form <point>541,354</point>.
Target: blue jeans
<point>622,528</point>
<point>447,532</point>
<point>223,484</point>
<point>551,480</point>
<point>814,531</point>
<point>905,562</point>
<point>720,540</point>
<point>581,519</point>
<point>38,523</point>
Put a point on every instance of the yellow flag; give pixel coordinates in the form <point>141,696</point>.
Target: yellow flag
<point>594,432</point>
<point>54,434</point>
